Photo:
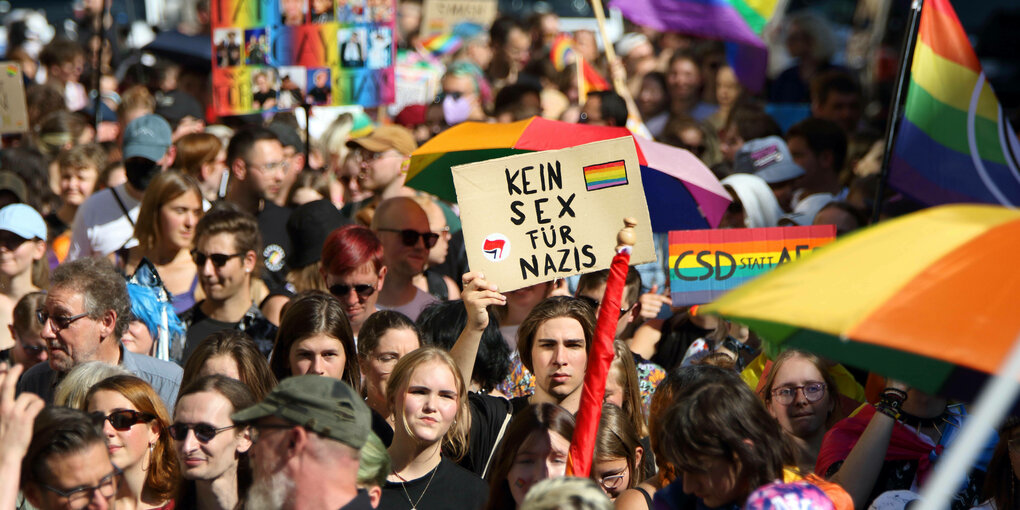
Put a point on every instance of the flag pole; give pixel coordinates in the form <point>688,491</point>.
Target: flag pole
<point>895,110</point>
<point>618,81</point>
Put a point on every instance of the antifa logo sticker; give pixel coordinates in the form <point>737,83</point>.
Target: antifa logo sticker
<point>273,256</point>
<point>496,247</point>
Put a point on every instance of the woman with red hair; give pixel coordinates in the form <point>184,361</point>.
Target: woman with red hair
<point>353,270</point>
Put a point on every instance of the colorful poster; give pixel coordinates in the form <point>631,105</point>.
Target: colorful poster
<point>280,54</point>
<point>538,216</point>
<point>705,264</point>
<point>443,16</point>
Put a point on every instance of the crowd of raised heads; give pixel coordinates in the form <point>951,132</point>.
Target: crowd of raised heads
<point>220,312</point>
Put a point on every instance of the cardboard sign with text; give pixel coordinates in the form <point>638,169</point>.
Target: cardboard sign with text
<point>13,110</point>
<point>705,264</point>
<point>538,216</point>
<point>441,16</point>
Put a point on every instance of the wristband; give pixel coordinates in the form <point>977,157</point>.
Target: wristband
<point>894,394</point>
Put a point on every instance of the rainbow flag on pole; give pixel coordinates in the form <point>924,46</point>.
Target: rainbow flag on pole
<point>953,143</point>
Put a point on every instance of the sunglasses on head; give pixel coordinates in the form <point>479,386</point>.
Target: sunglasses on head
<point>218,259</point>
<point>342,290</point>
<point>203,431</point>
<point>121,420</point>
<point>410,237</point>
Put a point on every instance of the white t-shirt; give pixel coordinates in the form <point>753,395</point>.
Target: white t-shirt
<point>100,226</point>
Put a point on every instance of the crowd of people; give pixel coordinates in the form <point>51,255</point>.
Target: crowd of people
<point>216,313</point>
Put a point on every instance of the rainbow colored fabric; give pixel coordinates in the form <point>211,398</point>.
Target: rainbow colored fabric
<point>953,142</point>
<point>738,22</point>
<point>562,54</point>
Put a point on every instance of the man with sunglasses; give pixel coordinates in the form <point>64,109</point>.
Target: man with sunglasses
<point>226,244</point>
<point>307,434</point>
<point>403,229</point>
<point>67,464</point>
<point>353,271</point>
<point>86,312</point>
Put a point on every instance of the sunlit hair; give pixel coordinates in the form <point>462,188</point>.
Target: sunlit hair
<point>73,388</point>
<point>164,474</point>
<point>165,187</point>
<point>552,308</point>
<point>350,247</point>
<point>373,463</point>
<point>726,420</point>
<point>830,382</point>
<point>308,314</point>
<point>252,366</point>
<point>455,441</point>
<point>566,493</point>
<point>617,439</point>
<point>624,371</point>
<point>195,150</point>
<point>541,418</point>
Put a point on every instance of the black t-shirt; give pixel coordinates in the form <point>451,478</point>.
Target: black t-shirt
<point>381,428</point>
<point>275,245</point>
<point>360,502</point>
<point>487,416</point>
<point>261,97</point>
<point>201,327</point>
<point>451,487</point>
<point>320,95</point>
<point>677,335</point>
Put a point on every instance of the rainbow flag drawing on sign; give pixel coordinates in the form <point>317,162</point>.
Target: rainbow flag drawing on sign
<point>605,175</point>
<point>953,143</point>
<point>12,70</point>
<point>705,264</point>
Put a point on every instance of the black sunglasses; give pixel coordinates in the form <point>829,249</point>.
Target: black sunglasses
<point>218,259</point>
<point>121,420</point>
<point>203,431</point>
<point>594,303</point>
<point>342,290</point>
<point>410,237</point>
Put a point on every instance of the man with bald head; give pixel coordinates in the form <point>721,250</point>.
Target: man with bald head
<point>403,229</point>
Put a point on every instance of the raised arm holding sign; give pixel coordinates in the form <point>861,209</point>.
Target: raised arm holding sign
<point>539,216</point>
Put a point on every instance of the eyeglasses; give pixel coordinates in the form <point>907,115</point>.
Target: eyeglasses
<point>611,482</point>
<point>204,432</point>
<point>81,497</point>
<point>218,259</point>
<point>59,321</point>
<point>367,155</point>
<point>121,420</point>
<point>256,429</point>
<point>410,237</point>
<point>594,303</point>
<point>279,166</point>
<point>813,392</point>
<point>342,290</point>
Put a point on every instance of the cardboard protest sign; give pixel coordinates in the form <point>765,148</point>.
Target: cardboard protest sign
<point>278,54</point>
<point>704,264</point>
<point>538,216</point>
<point>13,110</point>
<point>441,16</point>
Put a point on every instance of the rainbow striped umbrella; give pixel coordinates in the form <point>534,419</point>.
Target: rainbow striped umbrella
<point>930,298</point>
<point>682,193</point>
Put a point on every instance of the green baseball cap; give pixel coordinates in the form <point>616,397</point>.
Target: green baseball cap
<point>326,406</point>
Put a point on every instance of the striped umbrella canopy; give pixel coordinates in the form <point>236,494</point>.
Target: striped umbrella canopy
<point>682,193</point>
<point>930,298</point>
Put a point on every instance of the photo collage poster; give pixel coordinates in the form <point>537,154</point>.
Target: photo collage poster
<point>280,54</point>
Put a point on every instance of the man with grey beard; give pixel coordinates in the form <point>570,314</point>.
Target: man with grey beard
<point>307,434</point>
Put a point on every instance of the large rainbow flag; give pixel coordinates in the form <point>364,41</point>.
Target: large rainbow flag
<point>953,143</point>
